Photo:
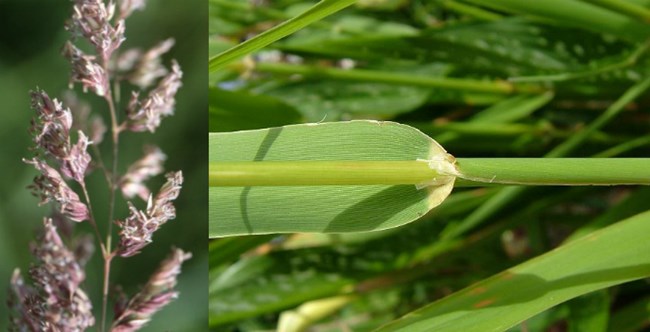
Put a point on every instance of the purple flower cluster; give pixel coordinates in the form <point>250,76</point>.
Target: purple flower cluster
<point>54,300</point>
<point>50,186</point>
<point>157,293</point>
<point>146,114</point>
<point>139,226</point>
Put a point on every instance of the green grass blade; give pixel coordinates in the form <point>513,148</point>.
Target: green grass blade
<point>508,110</point>
<point>319,97</point>
<point>330,208</point>
<point>364,75</point>
<point>513,109</point>
<point>624,7</point>
<point>576,13</point>
<point>314,14</point>
<point>580,267</point>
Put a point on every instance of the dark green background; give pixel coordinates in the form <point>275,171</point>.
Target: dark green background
<point>31,36</point>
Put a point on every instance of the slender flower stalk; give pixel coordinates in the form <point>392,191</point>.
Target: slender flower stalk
<point>66,150</point>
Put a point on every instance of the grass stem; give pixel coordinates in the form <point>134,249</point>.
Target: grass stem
<point>364,75</point>
<point>556,171</point>
<point>473,172</point>
<point>112,186</point>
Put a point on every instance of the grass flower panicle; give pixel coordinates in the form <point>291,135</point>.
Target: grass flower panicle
<point>53,300</point>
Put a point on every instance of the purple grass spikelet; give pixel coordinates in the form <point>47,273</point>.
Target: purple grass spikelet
<point>92,19</point>
<point>58,276</point>
<point>156,294</point>
<point>76,163</point>
<point>138,228</point>
<point>55,303</point>
<point>50,186</point>
<point>51,127</point>
<point>162,207</point>
<point>51,131</point>
<point>136,232</point>
<point>86,71</point>
<point>147,114</point>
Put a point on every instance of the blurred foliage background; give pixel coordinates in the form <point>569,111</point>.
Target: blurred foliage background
<point>546,69</point>
<point>31,37</point>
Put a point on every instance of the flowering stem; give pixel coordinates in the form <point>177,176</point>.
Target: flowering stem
<point>108,254</point>
<point>113,184</point>
<point>92,217</point>
<point>105,253</point>
<point>107,271</point>
<point>112,187</point>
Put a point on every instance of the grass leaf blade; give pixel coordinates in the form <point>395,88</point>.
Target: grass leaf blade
<point>580,267</point>
<point>314,14</point>
<point>322,208</point>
